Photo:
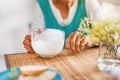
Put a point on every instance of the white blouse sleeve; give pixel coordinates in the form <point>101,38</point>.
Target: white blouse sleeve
<point>38,18</point>
<point>93,9</point>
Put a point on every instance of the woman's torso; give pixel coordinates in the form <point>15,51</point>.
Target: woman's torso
<point>51,21</point>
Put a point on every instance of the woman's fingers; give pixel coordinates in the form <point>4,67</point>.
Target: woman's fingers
<point>27,40</point>
<point>84,45</point>
<point>87,44</point>
<point>28,37</point>
<point>29,49</point>
<point>78,42</point>
<point>68,40</point>
<point>73,41</point>
<point>27,43</point>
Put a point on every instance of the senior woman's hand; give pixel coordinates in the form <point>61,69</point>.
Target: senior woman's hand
<point>27,44</point>
<point>76,42</point>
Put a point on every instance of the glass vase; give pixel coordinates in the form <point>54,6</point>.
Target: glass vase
<point>109,56</point>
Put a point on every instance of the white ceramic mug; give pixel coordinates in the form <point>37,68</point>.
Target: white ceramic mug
<point>47,42</point>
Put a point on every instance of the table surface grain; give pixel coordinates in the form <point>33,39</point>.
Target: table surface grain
<point>72,66</point>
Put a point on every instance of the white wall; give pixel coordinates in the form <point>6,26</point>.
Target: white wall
<point>14,18</point>
<point>14,13</point>
<point>111,8</point>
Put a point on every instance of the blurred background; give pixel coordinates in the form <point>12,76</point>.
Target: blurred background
<point>111,8</point>
<point>15,16</point>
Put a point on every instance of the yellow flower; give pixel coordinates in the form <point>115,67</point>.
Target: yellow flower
<point>101,30</point>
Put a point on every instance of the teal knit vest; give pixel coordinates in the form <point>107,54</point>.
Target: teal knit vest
<point>51,22</point>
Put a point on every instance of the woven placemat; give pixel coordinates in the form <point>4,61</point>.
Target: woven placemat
<point>79,66</point>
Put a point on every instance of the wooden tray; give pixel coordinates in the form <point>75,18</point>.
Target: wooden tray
<point>79,66</point>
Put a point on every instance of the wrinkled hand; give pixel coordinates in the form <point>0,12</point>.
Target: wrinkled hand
<point>27,44</point>
<point>76,42</point>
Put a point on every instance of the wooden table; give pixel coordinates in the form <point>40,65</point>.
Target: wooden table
<point>79,66</point>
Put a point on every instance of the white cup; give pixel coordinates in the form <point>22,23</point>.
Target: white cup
<point>47,42</point>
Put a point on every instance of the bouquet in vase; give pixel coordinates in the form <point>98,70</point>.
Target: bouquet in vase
<point>107,32</point>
